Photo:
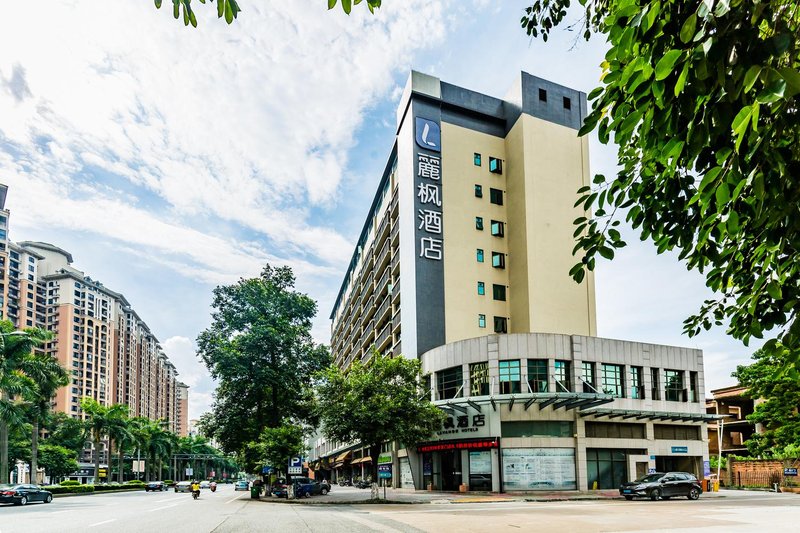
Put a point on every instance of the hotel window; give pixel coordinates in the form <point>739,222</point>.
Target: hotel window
<point>449,383</point>
<point>613,380</point>
<point>479,255</point>
<point>481,321</point>
<point>479,379</point>
<point>498,260</point>
<point>655,390</point>
<point>588,376</point>
<point>478,191</point>
<point>674,391</point>
<point>479,223</point>
<point>476,159</point>
<point>498,228</point>
<point>567,103</point>
<point>537,375</point>
<point>500,324</point>
<point>637,383</point>
<point>693,387</point>
<point>496,196</point>
<point>499,292</point>
<point>562,376</point>
<point>510,381</point>
<point>495,165</point>
<point>481,288</point>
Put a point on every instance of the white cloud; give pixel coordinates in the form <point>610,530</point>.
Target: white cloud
<point>182,353</point>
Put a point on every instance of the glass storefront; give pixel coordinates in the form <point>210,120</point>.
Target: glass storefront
<point>606,468</point>
<point>480,470</point>
<point>539,469</point>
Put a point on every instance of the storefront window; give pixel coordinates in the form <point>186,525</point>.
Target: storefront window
<point>606,469</point>
<point>449,383</point>
<point>674,382</point>
<point>539,469</point>
<point>537,375</point>
<point>613,380</point>
<point>510,380</point>
<point>479,379</point>
<point>562,375</point>
<point>480,470</point>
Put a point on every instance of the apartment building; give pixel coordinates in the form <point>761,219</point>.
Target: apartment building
<point>463,262</point>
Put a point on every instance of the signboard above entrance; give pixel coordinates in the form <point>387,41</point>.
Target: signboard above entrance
<point>442,446</point>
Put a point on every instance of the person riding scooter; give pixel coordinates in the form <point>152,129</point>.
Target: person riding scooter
<point>195,489</point>
<point>213,486</point>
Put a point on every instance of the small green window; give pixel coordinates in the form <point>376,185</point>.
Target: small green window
<point>495,165</point>
<point>498,228</point>
<point>479,223</point>
<point>481,288</point>
<point>479,254</point>
<point>476,158</point>
<point>478,191</point>
<point>498,260</point>
<point>481,321</point>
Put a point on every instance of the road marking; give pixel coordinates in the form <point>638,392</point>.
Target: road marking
<point>103,522</point>
<point>162,508</point>
<point>162,501</point>
<point>232,500</point>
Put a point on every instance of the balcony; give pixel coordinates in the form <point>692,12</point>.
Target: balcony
<point>384,336</point>
<point>382,309</point>
<point>396,320</point>
<point>382,255</point>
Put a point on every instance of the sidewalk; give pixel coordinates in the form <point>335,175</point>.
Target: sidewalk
<point>351,495</point>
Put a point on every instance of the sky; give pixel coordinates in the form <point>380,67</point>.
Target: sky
<point>169,160</point>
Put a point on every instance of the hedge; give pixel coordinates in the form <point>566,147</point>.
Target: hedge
<point>70,483</point>
<point>69,489</point>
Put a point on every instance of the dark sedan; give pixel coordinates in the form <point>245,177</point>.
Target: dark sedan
<point>155,485</point>
<point>662,486</point>
<point>22,494</point>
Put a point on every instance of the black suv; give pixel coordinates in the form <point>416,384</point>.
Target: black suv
<point>662,486</point>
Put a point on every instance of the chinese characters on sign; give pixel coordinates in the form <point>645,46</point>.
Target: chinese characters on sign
<point>461,424</point>
<point>430,199</point>
<point>459,445</point>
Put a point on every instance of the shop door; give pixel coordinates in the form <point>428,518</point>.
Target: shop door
<point>451,470</point>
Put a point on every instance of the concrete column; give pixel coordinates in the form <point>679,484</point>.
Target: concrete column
<point>581,471</point>
<point>465,467</point>
<point>496,466</point>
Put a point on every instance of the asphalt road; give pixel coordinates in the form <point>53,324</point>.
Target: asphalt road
<point>229,511</point>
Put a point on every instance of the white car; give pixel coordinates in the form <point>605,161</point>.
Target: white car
<point>205,484</point>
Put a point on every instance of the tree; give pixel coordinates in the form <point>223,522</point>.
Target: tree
<point>120,431</point>
<point>57,460</point>
<point>229,9</point>
<point>701,97</point>
<point>380,401</point>
<point>778,412</point>
<point>274,448</point>
<point>67,432</point>
<point>15,348</point>
<point>100,420</point>
<point>48,376</point>
<point>260,350</point>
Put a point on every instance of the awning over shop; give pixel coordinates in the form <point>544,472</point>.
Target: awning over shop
<point>342,458</point>
<point>362,460</point>
<point>625,414</point>
<point>567,400</point>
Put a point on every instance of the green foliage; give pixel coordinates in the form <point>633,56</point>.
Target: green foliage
<point>273,448</point>
<point>228,9</point>
<point>67,432</point>
<point>347,5</point>
<point>69,489</point>
<point>70,483</point>
<point>701,97</point>
<point>778,413</point>
<point>380,401</point>
<point>260,350</point>
<point>57,460</point>
<point>714,460</point>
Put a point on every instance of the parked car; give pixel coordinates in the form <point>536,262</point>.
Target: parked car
<point>280,488</point>
<point>662,486</point>
<point>155,486</point>
<point>313,486</point>
<point>183,486</point>
<point>22,494</point>
<point>205,484</point>
<point>241,485</point>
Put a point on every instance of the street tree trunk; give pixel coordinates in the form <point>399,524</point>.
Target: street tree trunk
<point>121,463</point>
<point>34,450</point>
<point>96,459</point>
<point>374,452</point>
<point>3,452</point>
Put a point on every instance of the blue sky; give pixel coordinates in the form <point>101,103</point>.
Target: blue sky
<point>169,160</point>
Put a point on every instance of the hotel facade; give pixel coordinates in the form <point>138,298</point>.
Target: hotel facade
<point>463,262</point>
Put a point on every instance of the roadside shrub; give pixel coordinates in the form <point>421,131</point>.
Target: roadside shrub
<point>71,489</point>
<point>117,486</point>
<point>169,482</point>
<point>136,482</point>
<point>70,483</point>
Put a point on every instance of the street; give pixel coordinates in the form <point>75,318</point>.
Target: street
<point>229,511</point>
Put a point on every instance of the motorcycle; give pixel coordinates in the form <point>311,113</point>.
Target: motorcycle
<point>213,487</point>
<point>363,484</point>
<point>195,494</point>
<point>345,483</point>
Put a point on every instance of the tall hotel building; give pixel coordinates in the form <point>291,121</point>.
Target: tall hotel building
<point>463,263</point>
<point>110,352</point>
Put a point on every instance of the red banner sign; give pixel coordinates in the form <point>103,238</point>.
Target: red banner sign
<point>483,444</point>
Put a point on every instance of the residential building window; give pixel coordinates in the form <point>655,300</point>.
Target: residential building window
<point>476,159</point>
<point>613,380</point>
<point>481,288</point>
<point>499,292</point>
<point>478,191</point>
<point>562,375</point>
<point>655,389</point>
<point>567,103</point>
<point>510,380</point>
<point>500,324</point>
<point>481,321</point>
<point>496,196</point>
<point>479,255</point>
<point>479,379</point>
<point>449,383</point>
<point>588,376</point>
<point>498,228</point>
<point>674,386</point>
<point>693,388</point>
<point>495,165</point>
<point>542,95</point>
<point>537,375</point>
<point>479,223</point>
<point>498,260</point>
<point>637,383</point>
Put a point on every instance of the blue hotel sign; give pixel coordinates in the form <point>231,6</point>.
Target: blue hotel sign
<point>680,449</point>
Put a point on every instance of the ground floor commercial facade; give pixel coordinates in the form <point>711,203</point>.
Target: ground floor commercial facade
<point>527,412</point>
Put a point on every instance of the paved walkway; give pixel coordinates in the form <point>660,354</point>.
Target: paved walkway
<point>352,495</point>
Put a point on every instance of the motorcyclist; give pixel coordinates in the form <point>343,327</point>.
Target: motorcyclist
<point>213,486</point>
<point>195,488</point>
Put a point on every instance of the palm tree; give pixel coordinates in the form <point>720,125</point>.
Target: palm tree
<point>121,432</point>
<point>15,347</point>
<point>48,376</point>
<point>100,419</point>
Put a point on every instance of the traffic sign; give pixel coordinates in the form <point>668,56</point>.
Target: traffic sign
<point>789,471</point>
<point>295,465</point>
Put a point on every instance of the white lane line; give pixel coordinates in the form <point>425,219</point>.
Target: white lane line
<point>162,508</point>
<point>167,500</point>
<point>103,522</point>
<point>232,500</point>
